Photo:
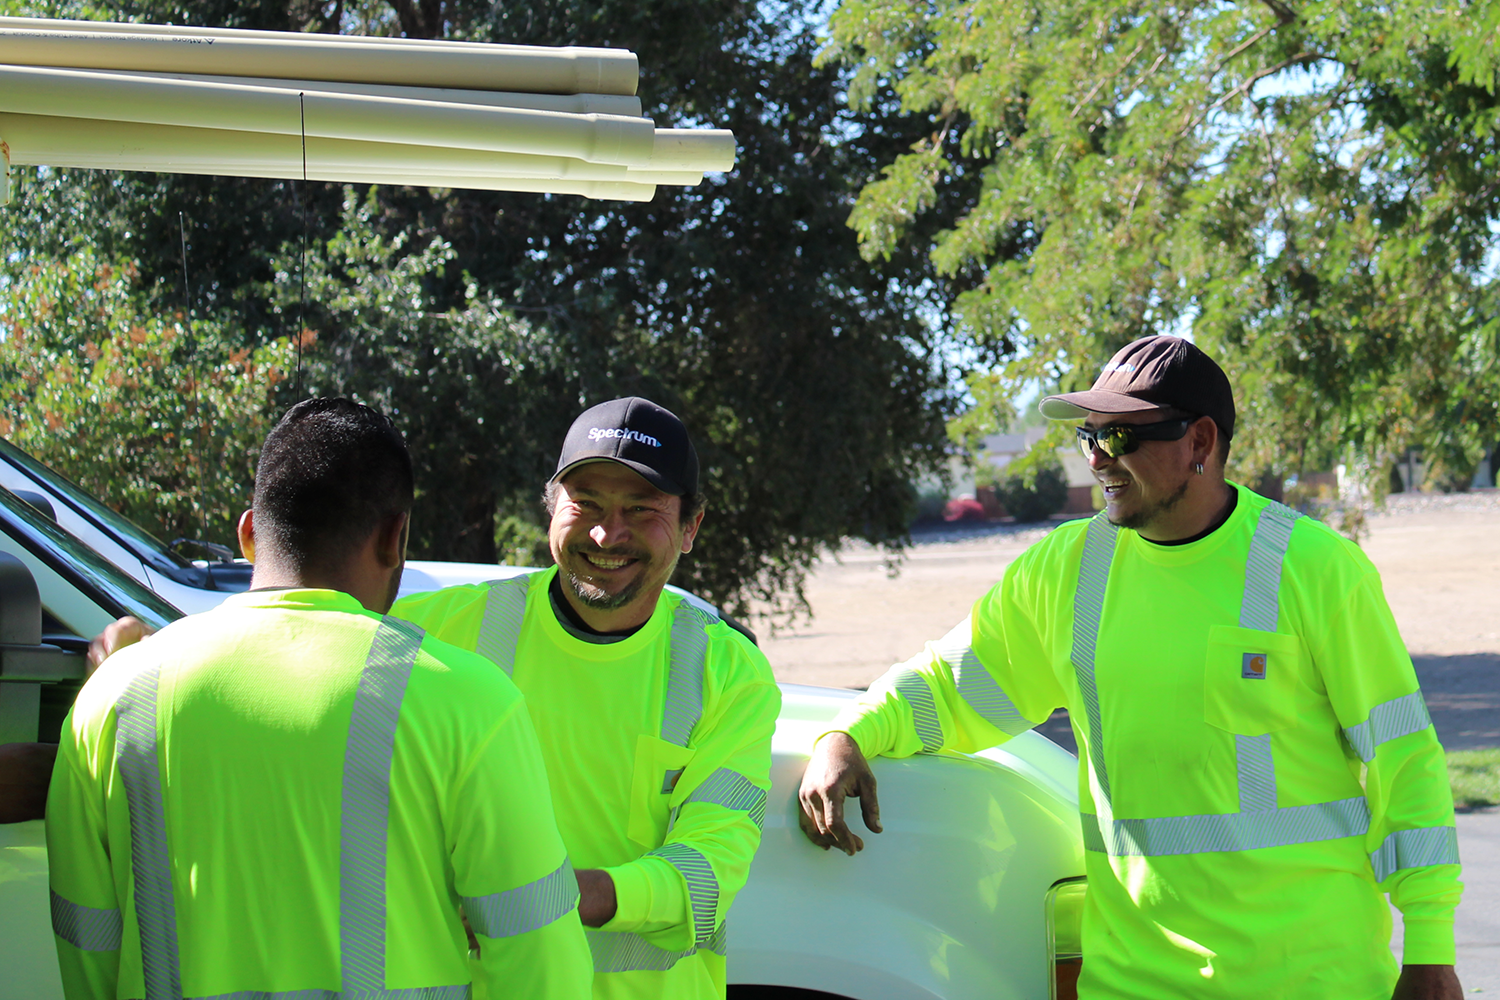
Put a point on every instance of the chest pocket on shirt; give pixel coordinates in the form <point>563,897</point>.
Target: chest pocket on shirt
<point>658,769</point>
<point>1253,681</point>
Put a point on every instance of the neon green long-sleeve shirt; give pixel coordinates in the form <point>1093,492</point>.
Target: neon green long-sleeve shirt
<point>659,752</point>
<point>289,793</point>
<point>1234,849</point>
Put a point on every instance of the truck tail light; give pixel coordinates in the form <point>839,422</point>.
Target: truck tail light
<point>1064,933</point>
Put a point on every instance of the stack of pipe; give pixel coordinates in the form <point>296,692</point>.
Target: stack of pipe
<point>338,108</point>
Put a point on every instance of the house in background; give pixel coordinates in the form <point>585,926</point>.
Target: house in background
<point>999,450</point>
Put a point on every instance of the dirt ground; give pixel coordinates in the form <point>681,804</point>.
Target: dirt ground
<point>1439,557</point>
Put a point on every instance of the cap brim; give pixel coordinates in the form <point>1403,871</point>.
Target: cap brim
<point>1077,405</point>
<point>647,473</point>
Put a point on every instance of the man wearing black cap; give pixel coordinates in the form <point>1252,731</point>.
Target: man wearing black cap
<point>1230,668</point>
<point>655,716</point>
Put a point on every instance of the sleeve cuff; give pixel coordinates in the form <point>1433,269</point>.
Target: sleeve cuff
<point>1428,941</point>
<point>649,896</point>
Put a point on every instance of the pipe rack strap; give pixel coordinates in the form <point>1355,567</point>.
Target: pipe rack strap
<point>339,58</point>
<point>105,145</point>
<point>75,93</point>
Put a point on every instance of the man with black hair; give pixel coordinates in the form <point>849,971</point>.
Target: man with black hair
<point>655,715</point>
<point>295,793</point>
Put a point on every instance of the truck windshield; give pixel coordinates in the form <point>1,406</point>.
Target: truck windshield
<point>86,569</point>
<point>125,531</point>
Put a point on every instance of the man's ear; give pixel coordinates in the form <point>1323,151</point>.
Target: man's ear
<point>390,541</point>
<point>1205,437</point>
<point>246,532</point>
<point>690,532</point>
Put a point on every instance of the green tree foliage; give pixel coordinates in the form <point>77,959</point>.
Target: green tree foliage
<point>811,379</point>
<point>1310,187</point>
<point>162,416</point>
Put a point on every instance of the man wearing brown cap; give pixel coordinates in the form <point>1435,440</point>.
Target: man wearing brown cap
<point>1230,668</point>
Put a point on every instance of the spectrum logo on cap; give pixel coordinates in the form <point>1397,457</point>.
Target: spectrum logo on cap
<point>1253,666</point>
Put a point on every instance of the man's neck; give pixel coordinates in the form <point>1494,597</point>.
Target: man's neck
<point>1206,505</point>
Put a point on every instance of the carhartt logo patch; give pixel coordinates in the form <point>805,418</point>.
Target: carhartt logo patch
<point>1253,666</point>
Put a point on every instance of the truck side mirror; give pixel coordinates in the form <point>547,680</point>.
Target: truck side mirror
<point>25,663</point>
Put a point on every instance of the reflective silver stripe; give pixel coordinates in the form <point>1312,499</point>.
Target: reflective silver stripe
<point>975,685</point>
<point>1260,608</point>
<point>1257,773</point>
<point>366,803</point>
<point>622,951</point>
<point>924,718</point>
<point>524,908</point>
<point>684,702</point>
<point>500,629</point>
<point>85,927</point>
<point>150,865</point>
<point>1432,845</point>
<point>1215,833</point>
<point>1088,607</point>
<point>703,886</point>
<point>456,992</point>
<point>1388,720</point>
<point>732,790</point>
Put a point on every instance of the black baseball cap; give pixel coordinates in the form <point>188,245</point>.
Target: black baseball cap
<point>639,435</point>
<point>1149,374</point>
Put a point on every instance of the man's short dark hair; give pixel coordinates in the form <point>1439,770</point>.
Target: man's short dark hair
<point>330,473</point>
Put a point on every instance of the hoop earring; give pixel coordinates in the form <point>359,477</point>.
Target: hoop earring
<point>1198,468</point>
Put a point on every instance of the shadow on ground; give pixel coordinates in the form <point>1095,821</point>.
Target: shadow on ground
<point>1462,694</point>
<point>1463,698</point>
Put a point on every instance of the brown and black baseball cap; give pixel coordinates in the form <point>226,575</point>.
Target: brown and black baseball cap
<point>638,434</point>
<point>1148,374</point>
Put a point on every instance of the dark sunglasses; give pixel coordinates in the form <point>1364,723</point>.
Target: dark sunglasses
<point>1122,439</point>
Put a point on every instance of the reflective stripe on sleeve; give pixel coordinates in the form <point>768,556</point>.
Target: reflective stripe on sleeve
<point>500,629</point>
<point>684,702</point>
<point>1388,720</point>
<point>150,866</point>
<point>366,803</point>
<point>975,684</point>
<point>85,927</point>
<point>732,790</point>
<point>702,884</point>
<point>623,951</point>
<point>524,908</point>
<point>1432,845</point>
<point>1215,833</point>
<point>924,718</point>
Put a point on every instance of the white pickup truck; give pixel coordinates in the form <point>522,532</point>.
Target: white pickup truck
<point>973,891</point>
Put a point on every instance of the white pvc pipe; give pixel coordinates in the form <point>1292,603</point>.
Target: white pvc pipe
<point>337,58</point>
<point>160,100</point>
<point>106,145</point>
<point>710,150</point>
<point>572,104</point>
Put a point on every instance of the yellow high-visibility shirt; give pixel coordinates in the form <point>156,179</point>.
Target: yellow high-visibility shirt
<point>290,793</point>
<point>1227,700</point>
<point>658,747</point>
